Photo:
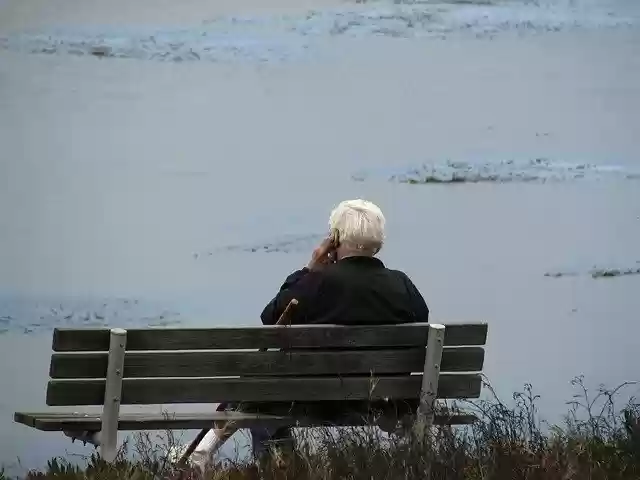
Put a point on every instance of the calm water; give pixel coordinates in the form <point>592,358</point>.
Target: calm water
<point>148,191</point>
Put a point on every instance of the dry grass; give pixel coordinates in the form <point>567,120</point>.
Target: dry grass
<point>596,441</point>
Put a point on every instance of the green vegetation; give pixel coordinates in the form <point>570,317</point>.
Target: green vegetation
<point>595,441</point>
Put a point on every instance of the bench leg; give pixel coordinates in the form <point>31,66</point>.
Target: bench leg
<point>112,395</point>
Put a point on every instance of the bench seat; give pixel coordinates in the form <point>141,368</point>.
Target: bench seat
<point>79,421</point>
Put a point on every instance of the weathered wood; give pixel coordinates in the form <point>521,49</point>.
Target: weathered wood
<point>429,389</point>
<point>229,363</point>
<point>209,390</point>
<point>335,369</point>
<point>52,422</point>
<point>295,336</point>
<point>112,394</point>
<point>145,421</point>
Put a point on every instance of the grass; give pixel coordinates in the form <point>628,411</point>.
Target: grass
<point>509,441</point>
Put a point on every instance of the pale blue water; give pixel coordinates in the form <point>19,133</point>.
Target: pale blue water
<point>136,191</point>
<point>293,37</point>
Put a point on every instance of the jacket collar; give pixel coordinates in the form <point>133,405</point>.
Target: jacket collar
<point>362,260</point>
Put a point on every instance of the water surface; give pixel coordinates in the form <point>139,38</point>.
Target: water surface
<point>140,191</point>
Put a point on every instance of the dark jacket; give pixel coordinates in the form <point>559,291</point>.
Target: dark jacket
<point>352,291</point>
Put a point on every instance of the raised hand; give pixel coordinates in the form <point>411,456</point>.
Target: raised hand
<point>323,255</point>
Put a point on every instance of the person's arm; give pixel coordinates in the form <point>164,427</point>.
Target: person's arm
<point>303,285</point>
<point>275,307</point>
<point>418,305</point>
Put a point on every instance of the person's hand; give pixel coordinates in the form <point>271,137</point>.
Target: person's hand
<point>323,255</point>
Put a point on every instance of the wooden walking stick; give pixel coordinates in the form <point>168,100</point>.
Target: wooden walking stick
<point>224,431</point>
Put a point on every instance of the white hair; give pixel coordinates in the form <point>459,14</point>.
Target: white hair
<point>359,223</point>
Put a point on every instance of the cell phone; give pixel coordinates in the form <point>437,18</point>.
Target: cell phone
<point>335,238</point>
<point>335,243</point>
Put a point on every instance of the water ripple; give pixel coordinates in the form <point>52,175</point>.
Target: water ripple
<point>538,170</point>
<point>599,271</point>
<point>299,243</point>
<point>31,315</point>
<point>278,38</point>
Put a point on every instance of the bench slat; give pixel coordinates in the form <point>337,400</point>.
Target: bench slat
<point>208,390</point>
<point>211,364</point>
<point>296,336</point>
<point>145,421</point>
<point>51,422</point>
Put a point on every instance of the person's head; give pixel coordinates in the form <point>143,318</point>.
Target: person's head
<point>359,225</point>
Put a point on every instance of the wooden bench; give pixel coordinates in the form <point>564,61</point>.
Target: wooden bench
<point>336,366</point>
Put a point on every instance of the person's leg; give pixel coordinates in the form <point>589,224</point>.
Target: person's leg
<point>283,439</point>
<point>263,438</point>
<point>260,438</point>
<point>210,443</point>
<point>203,452</point>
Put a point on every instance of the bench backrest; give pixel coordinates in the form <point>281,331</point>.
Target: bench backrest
<point>306,363</point>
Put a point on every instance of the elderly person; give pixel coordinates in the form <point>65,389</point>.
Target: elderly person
<point>344,283</point>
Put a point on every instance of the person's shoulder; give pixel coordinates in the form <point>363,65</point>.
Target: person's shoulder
<point>397,272</point>
<point>402,276</point>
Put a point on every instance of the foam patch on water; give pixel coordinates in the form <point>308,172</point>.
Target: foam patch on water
<point>508,171</point>
<point>163,45</point>
<point>29,315</point>
<point>287,37</point>
<point>610,271</point>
